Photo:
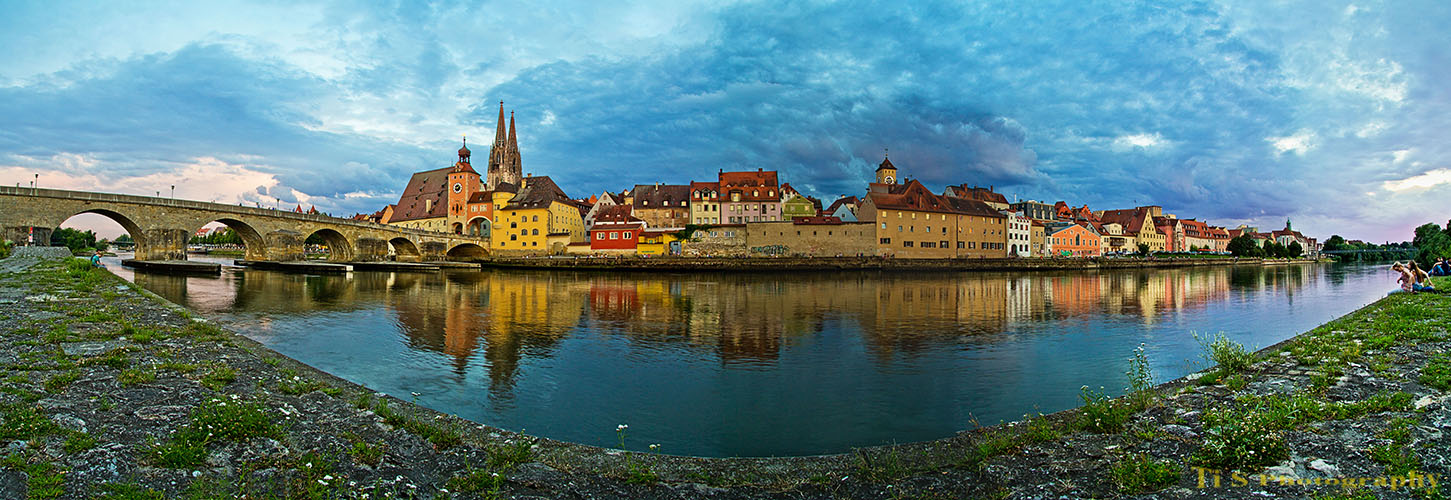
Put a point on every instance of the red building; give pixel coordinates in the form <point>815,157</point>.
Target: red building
<point>615,230</point>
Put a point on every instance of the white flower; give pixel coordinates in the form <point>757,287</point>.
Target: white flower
<point>655,446</point>
<point>621,427</point>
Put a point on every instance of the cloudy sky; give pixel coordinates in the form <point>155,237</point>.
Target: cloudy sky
<point>1334,114</point>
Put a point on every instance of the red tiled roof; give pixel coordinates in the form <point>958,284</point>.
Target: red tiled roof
<point>976,193</point>
<point>845,200</point>
<point>423,186</point>
<point>914,197</point>
<point>615,214</point>
<point>760,185</point>
<point>648,196</point>
<point>713,187</point>
<point>1132,219</point>
<point>539,192</point>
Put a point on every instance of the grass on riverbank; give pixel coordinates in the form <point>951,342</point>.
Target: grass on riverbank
<point>1121,430</point>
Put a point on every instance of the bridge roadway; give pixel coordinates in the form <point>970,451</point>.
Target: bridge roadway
<point>162,227</point>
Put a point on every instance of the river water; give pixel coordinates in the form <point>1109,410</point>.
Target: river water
<point>731,364</point>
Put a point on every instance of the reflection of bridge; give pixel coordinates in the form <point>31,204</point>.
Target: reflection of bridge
<point>162,226</point>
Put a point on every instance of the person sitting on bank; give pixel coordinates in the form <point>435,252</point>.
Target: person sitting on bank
<point>1441,268</point>
<point>96,260</point>
<point>1405,278</point>
<point>1420,280</point>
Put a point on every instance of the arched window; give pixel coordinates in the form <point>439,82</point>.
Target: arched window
<point>536,219</point>
<point>513,225</point>
<point>536,232</point>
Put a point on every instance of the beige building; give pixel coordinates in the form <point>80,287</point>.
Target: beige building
<point>912,222</point>
<point>811,237</point>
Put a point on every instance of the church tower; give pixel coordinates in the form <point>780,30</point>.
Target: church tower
<point>504,164</point>
<point>463,181</point>
<point>886,172</point>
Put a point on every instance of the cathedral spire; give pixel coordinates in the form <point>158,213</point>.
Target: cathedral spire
<point>513,140</point>
<point>499,134</point>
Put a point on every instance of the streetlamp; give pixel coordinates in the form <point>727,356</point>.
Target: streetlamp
<point>173,191</point>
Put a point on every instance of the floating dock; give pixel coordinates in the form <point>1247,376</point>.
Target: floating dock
<point>310,267</point>
<point>457,265</point>
<point>174,266</point>
<point>397,266</point>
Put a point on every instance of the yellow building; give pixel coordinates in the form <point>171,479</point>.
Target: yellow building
<point>663,242</point>
<point>539,211</point>
<point>1138,224</point>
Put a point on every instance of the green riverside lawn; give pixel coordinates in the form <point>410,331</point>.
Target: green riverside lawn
<point>108,392</point>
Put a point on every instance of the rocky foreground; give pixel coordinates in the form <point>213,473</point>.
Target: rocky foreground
<point>107,391</point>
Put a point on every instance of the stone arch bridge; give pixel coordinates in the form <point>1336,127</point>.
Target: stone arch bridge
<point>162,227</point>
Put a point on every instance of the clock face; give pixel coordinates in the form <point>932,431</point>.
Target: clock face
<point>891,180</point>
<point>458,187</point>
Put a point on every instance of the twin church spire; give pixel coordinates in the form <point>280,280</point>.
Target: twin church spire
<point>504,162</point>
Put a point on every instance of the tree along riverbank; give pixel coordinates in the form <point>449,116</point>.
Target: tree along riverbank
<point>775,264</point>
<point>107,391</point>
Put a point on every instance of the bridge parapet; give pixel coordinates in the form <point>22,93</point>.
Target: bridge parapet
<point>162,226</point>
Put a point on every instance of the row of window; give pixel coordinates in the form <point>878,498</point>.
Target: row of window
<point>928,229</point>
<point>993,220</point>
<point>963,245</point>
<point>753,218</point>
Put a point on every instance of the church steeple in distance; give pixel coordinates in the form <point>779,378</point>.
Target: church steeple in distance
<point>504,163</point>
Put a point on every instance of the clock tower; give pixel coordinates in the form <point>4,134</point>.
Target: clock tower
<point>886,172</point>
<point>463,182</point>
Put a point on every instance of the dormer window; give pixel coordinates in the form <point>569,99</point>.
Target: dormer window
<point>667,203</point>
<point>645,202</point>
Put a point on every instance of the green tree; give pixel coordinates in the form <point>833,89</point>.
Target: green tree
<point>1143,248</point>
<point>1294,250</point>
<point>1275,250</point>
<point>1431,242</point>
<point>1245,246</point>
<point>124,239</point>
<point>73,239</point>
<point>1336,243</point>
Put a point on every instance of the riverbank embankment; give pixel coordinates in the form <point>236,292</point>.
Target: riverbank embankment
<point>107,391</point>
<point>787,264</point>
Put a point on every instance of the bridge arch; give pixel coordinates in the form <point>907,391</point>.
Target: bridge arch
<point>252,241</point>
<point>480,226</point>
<point>467,252</point>
<point>339,249</point>
<point>43,234</point>
<point>404,250</point>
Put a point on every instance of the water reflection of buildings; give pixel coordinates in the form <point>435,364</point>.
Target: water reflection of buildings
<point>506,317</point>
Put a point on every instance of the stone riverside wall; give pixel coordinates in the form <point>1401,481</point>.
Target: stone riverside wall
<point>859,263</point>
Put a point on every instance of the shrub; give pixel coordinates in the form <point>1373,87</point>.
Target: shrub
<point>214,421</point>
<point>1140,473</point>
<point>1231,356</point>
<point>1103,414</point>
<point>1240,439</point>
